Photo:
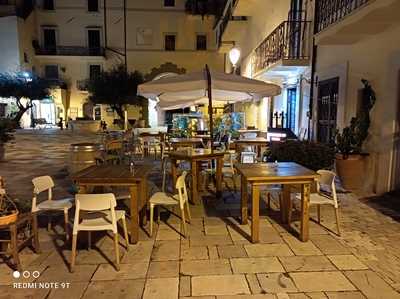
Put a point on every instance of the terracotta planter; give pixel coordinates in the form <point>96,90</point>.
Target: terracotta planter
<point>351,170</point>
<point>4,220</point>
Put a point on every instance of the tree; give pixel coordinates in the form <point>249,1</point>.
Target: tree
<point>117,88</point>
<point>20,87</point>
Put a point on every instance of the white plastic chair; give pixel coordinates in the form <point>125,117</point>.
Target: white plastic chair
<point>164,199</point>
<point>99,214</point>
<point>326,195</point>
<point>45,183</point>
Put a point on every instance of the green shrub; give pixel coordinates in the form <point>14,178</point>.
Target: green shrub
<point>312,155</point>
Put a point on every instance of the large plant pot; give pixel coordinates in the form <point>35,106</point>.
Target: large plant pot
<point>2,152</point>
<point>351,170</point>
<point>5,220</point>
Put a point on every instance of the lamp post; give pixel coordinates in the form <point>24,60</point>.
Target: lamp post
<point>234,56</point>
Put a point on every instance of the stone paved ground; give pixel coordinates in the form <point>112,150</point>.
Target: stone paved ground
<point>217,260</point>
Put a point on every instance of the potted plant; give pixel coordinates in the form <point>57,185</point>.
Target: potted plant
<point>351,161</point>
<point>8,209</point>
<point>6,130</point>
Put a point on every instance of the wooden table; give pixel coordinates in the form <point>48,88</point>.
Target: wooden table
<point>285,173</point>
<point>196,157</point>
<point>21,233</point>
<point>185,142</point>
<point>120,175</point>
<point>258,142</point>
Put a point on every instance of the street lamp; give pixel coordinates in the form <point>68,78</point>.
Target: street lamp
<point>234,56</point>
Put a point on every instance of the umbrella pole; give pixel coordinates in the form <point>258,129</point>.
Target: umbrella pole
<point>210,108</point>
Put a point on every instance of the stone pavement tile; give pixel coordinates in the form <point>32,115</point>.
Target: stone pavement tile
<point>209,240</point>
<point>194,253</point>
<point>96,256</point>
<point>165,251</point>
<point>260,250</point>
<point>213,252</point>
<point>121,289</point>
<point>163,269</point>
<point>75,291</point>
<point>231,251</point>
<point>329,245</point>
<point>214,221</point>
<point>9,292</point>
<point>256,265</point>
<point>127,271</point>
<point>198,297</point>
<point>185,287</point>
<point>205,267</point>
<point>301,248</point>
<point>55,273</point>
<point>216,230</point>
<point>219,285</point>
<point>254,284</point>
<point>311,295</point>
<point>321,281</point>
<point>347,262</point>
<point>306,263</point>
<point>345,295</point>
<point>167,234</point>
<point>257,296</point>
<point>140,252</point>
<point>166,288</point>
<point>371,285</point>
<point>276,283</point>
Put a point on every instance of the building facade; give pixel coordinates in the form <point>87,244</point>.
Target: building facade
<point>319,51</point>
<point>71,40</point>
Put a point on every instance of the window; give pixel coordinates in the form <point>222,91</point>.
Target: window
<point>169,3</point>
<point>3,110</point>
<point>94,42</point>
<point>94,71</point>
<point>49,40</point>
<point>201,42</point>
<point>48,4</point>
<point>51,71</point>
<point>26,60</point>
<point>93,5</point>
<point>170,42</point>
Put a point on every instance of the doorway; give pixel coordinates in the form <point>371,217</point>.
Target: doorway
<point>50,40</point>
<point>94,41</point>
<point>328,93</point>
<point>291,108</point>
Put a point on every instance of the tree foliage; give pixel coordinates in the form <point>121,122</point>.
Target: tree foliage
<point>18,87</point>
<point>351,139</point>
<point>116,88</point>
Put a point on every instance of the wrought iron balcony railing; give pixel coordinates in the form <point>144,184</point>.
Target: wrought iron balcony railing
<point>70,51</point>
<point>331,11</point>
<point>289,41</point>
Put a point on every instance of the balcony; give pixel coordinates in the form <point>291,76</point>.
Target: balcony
<point>69,51</point>
<point>287,48</point>
<point>82,85</point>
<point>229,27</point>
<point>348,21</point>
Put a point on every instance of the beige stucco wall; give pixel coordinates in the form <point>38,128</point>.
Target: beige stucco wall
<point>377,59</point>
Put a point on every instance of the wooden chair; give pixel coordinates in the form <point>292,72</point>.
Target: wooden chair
<point>45,183</point>
<point>98,214</point>
<point>326,195</point>
<point>164,199</point>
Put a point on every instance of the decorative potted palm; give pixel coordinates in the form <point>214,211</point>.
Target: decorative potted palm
<point>6,130</point>
<point>8,209</point>
<point>351,161</point>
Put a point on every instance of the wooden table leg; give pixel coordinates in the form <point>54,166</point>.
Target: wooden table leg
<point>200,182</point>
<point>173,173</point>
<point>14,246</point>
<point>255,214</point>
<point>194,189</point>
<point>134,214</point>
<point>244,200</point>
<point>285,208</point>
<point>305,217</point>
<point>143,201</point>
<point>218,176</point>
<point>35,237</point>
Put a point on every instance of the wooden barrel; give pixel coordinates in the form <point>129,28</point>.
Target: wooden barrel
<point>83,155</point>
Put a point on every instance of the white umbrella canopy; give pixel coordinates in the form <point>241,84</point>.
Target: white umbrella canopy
<point>192,89</point>
<point>205,86</point>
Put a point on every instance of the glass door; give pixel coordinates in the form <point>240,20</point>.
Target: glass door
<point>328,93</point>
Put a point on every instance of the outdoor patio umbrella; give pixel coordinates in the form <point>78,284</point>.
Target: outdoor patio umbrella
<point>205,86</point>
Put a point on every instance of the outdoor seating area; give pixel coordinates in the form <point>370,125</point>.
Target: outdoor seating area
<point>174,235</point>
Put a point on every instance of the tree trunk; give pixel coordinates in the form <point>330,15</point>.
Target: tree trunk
<point>120,112</point>
<point>18,116</point>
